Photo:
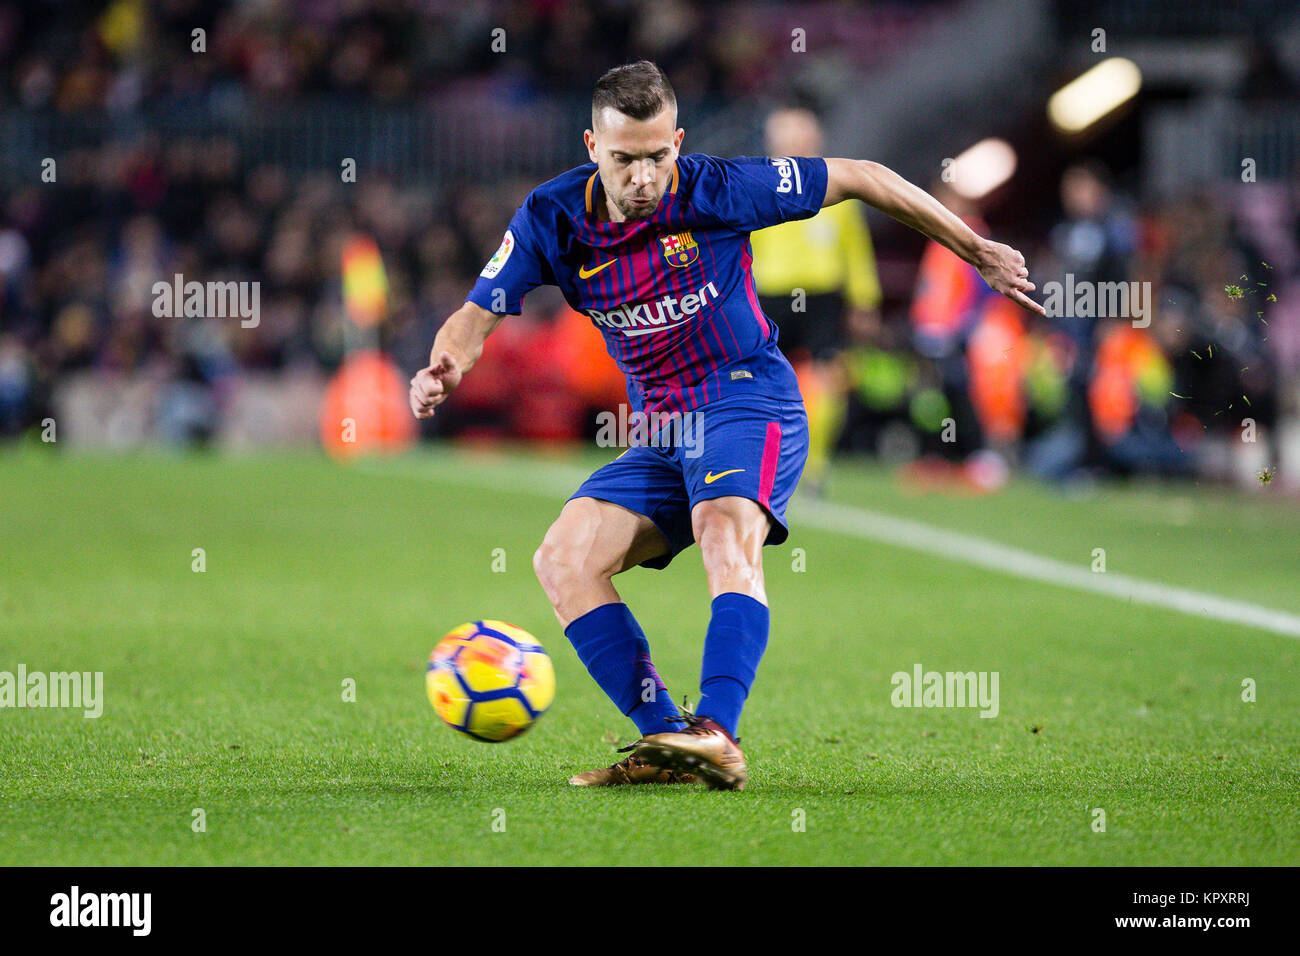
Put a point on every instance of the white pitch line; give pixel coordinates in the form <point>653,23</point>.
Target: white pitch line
<point>554,479</point>
<point>984,553</point>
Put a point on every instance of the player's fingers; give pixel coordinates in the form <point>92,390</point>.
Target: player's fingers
<point>1024,300</point>
<point>419,407</point>
<point>423,405</point>
<point>427,387</point>
<point>448,362</point>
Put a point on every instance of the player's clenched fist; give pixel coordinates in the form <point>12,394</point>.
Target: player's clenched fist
<point>431,385</point>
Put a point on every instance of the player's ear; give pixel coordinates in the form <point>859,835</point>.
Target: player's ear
<point>589,138</point>
<point>678,137</point>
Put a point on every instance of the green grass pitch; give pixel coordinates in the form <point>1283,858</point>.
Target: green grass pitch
<point>224,689</point>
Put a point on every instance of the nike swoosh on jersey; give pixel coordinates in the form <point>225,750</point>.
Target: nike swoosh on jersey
<point>710,478</point>
<point>583,273</point>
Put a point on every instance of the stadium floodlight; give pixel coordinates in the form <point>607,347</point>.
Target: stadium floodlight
<point>983,167</point>
<point>1089,97</point>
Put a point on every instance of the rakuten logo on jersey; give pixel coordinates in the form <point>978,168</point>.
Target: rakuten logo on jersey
<point>788,170</point>
<point>647,318</point>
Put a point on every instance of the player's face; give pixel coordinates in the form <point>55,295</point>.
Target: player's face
<point>635,158</point>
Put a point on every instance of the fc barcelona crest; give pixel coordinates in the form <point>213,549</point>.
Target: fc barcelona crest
<point>680,250</point>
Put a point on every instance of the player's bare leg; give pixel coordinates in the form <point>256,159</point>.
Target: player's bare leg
<point>730,532</point>
<point>588,544</point>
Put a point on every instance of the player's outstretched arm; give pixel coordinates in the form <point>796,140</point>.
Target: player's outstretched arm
<point>456,348</point>
<point>1002,267</point>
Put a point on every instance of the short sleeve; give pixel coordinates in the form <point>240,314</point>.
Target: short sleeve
<point>754,192</point>
<point>514,269</point>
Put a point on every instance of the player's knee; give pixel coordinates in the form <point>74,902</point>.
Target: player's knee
<point>549,567</point>
<point>722,537</point>
<point>561,568</point>
<point>731,569</point>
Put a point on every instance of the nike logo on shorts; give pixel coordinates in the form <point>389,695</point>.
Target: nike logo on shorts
<point>710,478</point>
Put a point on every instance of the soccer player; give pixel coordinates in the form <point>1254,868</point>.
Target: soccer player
<point>654,247</point>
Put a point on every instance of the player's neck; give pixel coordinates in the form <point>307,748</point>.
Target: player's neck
<point>606,211</point>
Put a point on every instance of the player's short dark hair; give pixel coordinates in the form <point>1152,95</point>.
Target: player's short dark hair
<point>639,90</point>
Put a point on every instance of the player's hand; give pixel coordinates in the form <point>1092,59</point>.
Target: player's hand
<point>431,386</point>
<point>1004,269</point>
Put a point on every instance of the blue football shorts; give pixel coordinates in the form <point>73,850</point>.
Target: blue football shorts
<point>746,446</point>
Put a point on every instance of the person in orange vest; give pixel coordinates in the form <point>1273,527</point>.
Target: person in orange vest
<point>997,362</point>
<point>978,351</point>
<point>1094,242</point>
<point>1128,395</point>
<point>1129,385</point>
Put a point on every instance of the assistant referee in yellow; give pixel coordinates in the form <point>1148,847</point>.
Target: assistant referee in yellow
<point>817,279</point>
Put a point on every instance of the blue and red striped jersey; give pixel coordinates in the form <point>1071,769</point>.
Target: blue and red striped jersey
<point>673,294</point>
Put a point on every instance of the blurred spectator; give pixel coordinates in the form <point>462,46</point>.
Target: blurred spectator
<point>1095,242</point>
<point>973,342</point>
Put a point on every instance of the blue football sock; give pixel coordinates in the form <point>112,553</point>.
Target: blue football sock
<point>733,647</point>
<point>612,646</point>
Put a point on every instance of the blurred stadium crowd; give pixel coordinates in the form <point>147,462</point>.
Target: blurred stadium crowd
<point>1063,397</point>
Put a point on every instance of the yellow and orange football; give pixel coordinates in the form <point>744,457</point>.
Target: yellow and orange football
<point>490,680</point>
